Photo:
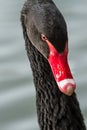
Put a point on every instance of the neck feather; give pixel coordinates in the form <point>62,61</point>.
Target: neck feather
<point>55,110</point>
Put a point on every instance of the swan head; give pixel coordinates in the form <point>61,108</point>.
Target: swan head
<point>49,35</point>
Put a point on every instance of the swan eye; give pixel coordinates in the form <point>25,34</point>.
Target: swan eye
<point>43,37</point>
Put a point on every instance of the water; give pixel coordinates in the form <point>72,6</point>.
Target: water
<point>17,94</point>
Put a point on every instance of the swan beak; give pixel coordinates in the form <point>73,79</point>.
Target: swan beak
<point>60,69</point>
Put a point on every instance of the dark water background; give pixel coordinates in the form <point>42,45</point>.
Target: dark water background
<point>17,94</point>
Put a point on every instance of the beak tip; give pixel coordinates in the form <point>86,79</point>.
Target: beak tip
<point>67,86</point>
<point>69,90</point>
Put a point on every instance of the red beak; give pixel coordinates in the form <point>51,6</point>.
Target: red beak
<point>61,71</point>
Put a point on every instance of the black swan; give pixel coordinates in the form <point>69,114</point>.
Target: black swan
<point>46,40</point>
